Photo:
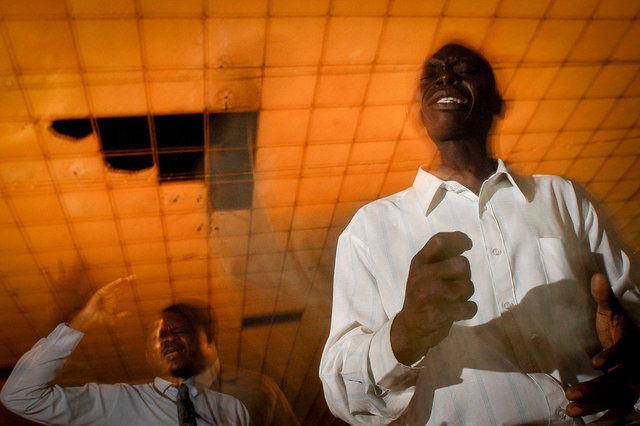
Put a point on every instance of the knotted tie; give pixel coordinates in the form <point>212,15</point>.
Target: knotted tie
<point>186,412</point>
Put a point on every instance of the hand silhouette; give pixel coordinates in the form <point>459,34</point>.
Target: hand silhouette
<point>619,387</point>
<point>102,306</point>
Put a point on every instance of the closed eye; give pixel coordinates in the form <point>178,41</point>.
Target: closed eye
<point>173,331</point>
<point>466,70</point>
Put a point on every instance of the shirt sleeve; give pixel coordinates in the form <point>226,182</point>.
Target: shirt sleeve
<point>235,412</point>
<point>363,382</point>
<point>611,254</point>
<point>28,390</point>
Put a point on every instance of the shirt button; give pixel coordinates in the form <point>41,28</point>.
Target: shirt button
<point>561,413</point>
<point>496,251</point>
<point>507,306</point>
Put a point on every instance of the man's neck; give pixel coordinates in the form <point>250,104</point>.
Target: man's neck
<point>465,162</point>
<point>202,379</point>
<point>175,380</point>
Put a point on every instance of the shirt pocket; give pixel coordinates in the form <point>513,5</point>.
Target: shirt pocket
<point>568,312</point>
<point>356,396</point>
<point>557,260</point>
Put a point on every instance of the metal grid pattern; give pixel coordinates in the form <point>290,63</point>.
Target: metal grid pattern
<point>334,82</point>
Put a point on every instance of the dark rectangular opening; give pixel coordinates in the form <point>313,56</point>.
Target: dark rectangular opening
<point>231,153</point>
<point>130,162</point>
<point>181,165</point>
<point>180,142</point>
<point>179,130</point>
<point>124,133</point>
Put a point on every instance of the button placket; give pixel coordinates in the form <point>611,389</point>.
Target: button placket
<point>498,261</point>
<point>561,414</point>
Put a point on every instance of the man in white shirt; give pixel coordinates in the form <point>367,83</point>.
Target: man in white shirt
<point>465,299</point>
<point>183,342</point>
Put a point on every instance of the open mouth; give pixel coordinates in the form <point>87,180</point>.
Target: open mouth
<point>172,352</point>
<point>449,100</point>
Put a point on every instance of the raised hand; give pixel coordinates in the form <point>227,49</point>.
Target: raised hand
<point>619,388</point>
<point>101,308</point>
<point>438,288</point>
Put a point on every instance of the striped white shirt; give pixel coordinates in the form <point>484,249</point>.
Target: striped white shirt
<point>29,391</point>
<point>536,242</point>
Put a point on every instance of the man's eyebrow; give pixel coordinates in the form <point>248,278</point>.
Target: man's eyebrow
<point>467,59</point>
<point>434,62</point>
<point>453,60</point>
<point>177,328</point>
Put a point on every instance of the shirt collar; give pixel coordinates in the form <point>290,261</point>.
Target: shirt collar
<point>523,184</point>
<point>426,187</point>
<point>430,189</point>
<point>165,386</point>
<point>196,384</point>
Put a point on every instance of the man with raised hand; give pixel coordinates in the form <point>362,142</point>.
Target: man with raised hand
<point>466,299</point>
<point>183,346</point>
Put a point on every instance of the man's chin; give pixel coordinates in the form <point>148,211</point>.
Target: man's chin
<point>181,372</point>
<point>447,127</point>
<point>450,134</point>
<point>457,131</point>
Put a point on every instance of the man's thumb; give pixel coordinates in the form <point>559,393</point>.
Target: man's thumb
<point>602,293</point>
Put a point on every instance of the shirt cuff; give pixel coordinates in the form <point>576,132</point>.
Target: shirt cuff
<point>388,373</point>
<point>65,336</point>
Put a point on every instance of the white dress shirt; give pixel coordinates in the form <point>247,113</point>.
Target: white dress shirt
<point>29,393</point>
<point>536,242</point>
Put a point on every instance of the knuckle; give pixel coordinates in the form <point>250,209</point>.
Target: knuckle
<point>436,242</point>
<point>456,264</point>
<point>462,263</point>
<point>465,310</point>
<point>437,320</point>
<point>468,289</point>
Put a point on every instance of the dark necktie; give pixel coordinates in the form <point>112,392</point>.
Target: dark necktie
<point>186,412</point>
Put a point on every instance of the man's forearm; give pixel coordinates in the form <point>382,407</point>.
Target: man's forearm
<point>27,391</point>
<point>81,322</point>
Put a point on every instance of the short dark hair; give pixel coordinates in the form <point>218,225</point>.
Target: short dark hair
<point>199,314</point>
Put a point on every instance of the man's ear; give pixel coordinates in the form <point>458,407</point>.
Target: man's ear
<point>419,99</point>
<point>497,104</point>
<point>209,349</point>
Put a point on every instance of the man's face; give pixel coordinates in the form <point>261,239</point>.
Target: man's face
<point>180,345</point>
<point>458,95</point>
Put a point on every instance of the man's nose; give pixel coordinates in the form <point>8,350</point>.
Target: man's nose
<point>447,76</point>
<point>168,337</point>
